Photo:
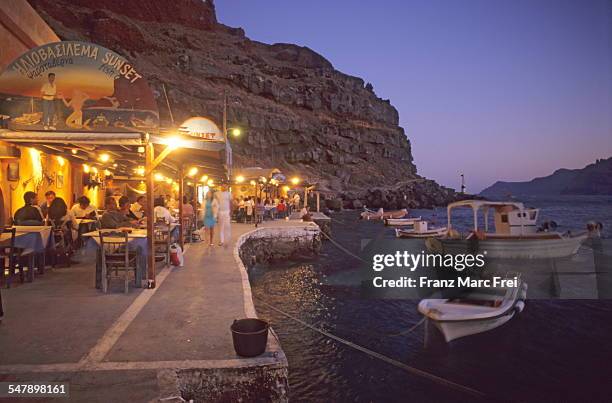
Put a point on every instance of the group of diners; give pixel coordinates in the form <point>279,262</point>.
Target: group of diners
<point>118,212</point>
<point>256,209</point>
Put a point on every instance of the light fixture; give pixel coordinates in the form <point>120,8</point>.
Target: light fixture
<point>107,173</point>
<point>192,171</point>
<point>263,179</point>
<point>204,178</point>
<point>158,177</point>
<point>86,168</point>
<point>169,181</point>
<point>253,183</point>
<point>94,170</point>
<point>74,151</point>
<point>141,149</point>
<point>286,188</point>
<point>104,157</point>
<point>61,161</point>
<point>140,171</point>
<point>239,179</point>
<point>295,180</point>
<point>115,165</point>
<point>210,183</point>
<point>175,142</point>
<point>236,132</point>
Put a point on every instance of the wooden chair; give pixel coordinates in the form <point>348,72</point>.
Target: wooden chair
<point>161,242</point>
<point>186,224</point>
<point>18,260</point>
<point>8,254</point>
<point>63,248</point>
<point>116,257</point>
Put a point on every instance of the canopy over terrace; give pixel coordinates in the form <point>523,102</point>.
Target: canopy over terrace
<point>130,155</point>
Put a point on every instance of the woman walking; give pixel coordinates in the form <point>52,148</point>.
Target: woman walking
<point>211,210</point>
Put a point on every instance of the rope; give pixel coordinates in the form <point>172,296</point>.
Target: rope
<point>409,330</point>
<point>343,249</point>
<point>384,358</point>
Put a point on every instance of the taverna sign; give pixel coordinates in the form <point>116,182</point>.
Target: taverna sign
<point>202,128</point>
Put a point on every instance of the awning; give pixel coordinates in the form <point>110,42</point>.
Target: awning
<point>56,137</point>
<point>125,149</point>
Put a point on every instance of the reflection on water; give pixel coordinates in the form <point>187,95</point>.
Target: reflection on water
<point>556,350</point>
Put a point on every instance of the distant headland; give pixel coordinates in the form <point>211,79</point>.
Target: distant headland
<point>593,179</point>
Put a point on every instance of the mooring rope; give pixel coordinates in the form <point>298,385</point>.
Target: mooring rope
<point>343,249</point>
<point>382,357</point>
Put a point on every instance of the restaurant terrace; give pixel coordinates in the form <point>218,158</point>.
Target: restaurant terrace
<point>83,301</point>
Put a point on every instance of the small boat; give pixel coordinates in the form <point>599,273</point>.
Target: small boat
<point>515,236</point>
<point>380,214</point>
<point>414,233</point>
<point>476,310</point>
<point>401,221</point>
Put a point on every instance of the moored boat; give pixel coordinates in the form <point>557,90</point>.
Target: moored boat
<point>515,234</point>
<point>380,214</point>
<point>413,233</point>
<point>474,311</point>
<point>401,221</point>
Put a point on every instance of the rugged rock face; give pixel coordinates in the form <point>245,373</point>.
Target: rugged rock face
<point>300,114</point>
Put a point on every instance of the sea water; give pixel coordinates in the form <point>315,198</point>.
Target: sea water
<point>555,350</point>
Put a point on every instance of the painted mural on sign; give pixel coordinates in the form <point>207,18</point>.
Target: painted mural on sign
<point>75,86</point>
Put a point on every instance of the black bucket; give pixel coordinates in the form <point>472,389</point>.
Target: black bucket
<point>250,336</point>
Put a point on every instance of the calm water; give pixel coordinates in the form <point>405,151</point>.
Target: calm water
<point>556,350</point>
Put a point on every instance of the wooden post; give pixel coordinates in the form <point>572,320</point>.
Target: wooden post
<point>195,203</point>
<point>318,202</point>
<point>180,197</point>
<point>149,156</point>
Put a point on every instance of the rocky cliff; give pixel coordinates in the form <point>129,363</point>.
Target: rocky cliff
<point>298,112</point>
<point>593,179</point>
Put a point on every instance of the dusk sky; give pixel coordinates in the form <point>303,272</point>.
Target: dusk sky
<point>499,90</point>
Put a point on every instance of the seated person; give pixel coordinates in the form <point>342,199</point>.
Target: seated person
<point>61,218</point>
<point>160,212</point>
<point>124,207</point>
<point>138,207</point>
<point>281,208</point>
<point>113,218</point>
<point>29,214</point>
<point>305,214</point>
<point>44,207</point>
<point>187,208</point>
<point>83,208</point>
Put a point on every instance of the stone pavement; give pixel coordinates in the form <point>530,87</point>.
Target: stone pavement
<point>61,328</point>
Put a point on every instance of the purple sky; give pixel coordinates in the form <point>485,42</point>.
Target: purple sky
<point>499,90</point>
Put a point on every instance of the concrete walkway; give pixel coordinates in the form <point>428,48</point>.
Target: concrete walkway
<point>116,346</point>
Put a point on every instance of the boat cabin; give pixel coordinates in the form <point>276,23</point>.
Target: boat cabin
<point>509,218</point>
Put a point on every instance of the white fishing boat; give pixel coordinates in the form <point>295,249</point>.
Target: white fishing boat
<point>515,234</point>
<point>381,214</point>
<point>476,310</point>
<point>420,230</point>
<point>398,222</point>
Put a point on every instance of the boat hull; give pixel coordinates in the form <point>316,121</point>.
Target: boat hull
<point>455,330</point>
<point>398,222</point>
<point>401,233</point>
<point>519,248</point>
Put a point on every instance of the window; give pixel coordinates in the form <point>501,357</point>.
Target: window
<point>504,218</point>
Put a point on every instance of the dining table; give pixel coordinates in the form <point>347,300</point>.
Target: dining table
<point>137,242</point>
<point>33,240</point>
